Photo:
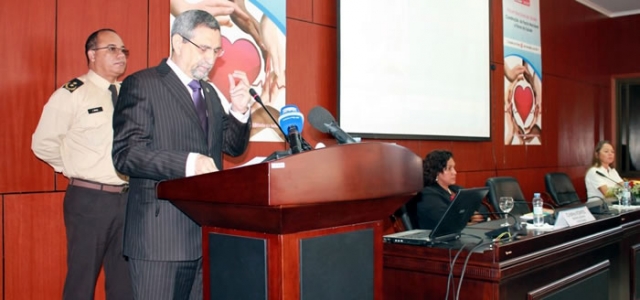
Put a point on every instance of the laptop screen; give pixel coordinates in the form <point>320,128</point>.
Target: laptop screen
<point>455,219</point>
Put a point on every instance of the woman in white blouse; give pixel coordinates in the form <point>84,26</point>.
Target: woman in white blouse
<point>601,176</point>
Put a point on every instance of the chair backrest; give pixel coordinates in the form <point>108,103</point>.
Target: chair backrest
<point>408,213</point>
<point>560,188</point>
<point>507,186</point>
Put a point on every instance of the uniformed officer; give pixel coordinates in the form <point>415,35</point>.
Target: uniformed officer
<point>75,137</point>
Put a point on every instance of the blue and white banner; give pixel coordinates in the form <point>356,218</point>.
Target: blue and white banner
<point>522,72</point>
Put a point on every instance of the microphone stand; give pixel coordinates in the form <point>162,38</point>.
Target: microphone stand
<point>514,230</point>
<point>305,146</point>
<point>607,177</point>
<point>598,208</point>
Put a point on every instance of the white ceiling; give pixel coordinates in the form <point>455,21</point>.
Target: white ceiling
<point>614,8</point>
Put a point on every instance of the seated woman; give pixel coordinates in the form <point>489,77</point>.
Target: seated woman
<point>599,184</point>
<point>439,189</point>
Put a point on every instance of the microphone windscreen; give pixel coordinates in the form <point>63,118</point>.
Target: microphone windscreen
<point>254,95</point>
<point>318,116</point>
<point>290,115</point>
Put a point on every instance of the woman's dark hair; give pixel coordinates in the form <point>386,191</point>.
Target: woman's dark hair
<point>435,162</point>
<point>596,159</point>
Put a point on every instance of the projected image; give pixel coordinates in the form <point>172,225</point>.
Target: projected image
<point>254,41</point>
<point>522,103</point>
<point>416,77</point>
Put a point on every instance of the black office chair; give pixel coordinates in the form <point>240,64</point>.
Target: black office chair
<point>560,188</point>
<point>507,186</point>
<point>408,213</point>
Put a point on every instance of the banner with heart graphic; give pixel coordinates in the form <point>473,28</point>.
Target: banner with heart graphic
<point>522,72</point>
<point>254,42</point>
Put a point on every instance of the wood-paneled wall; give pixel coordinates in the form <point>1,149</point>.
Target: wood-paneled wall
<point>43,48</point>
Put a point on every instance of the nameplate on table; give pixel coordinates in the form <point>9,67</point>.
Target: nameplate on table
<point>573,217</point>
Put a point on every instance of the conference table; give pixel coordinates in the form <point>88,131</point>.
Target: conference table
<point>595,260</point>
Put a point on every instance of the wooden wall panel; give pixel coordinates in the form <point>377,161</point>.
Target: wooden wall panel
<point>77,19</point>
<point>2,249</point>
<point>497,52</point>
<point>571,40</point>
<point>474,156</point>
<point>311,69</point>
<point>28,68</point>
<point>159,31</point>
<point>301,10</point>
<point>61,182</point>
<point>622,47</point>
<point>422,149</point>
<point>574,124</point>
<point>34,248</point>
<point>581,51</point>
<point>474,178</point>
<point>325,12</point>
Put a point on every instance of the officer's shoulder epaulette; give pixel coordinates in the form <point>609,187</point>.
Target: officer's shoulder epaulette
<point>73,84</point>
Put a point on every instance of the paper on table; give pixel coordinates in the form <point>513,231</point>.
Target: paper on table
<point>619,207</point>
<point>544,227</point>
<point>253,161</point>
<point>529,216</point>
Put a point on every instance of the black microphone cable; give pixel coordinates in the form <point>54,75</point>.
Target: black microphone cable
<point>479,244</point>
<point>452,262</point>
<point>511,231</point>
<point>451,265</point>
<point>466,262</point>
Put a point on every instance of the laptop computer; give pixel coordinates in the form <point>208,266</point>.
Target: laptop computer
<point>454,220</point>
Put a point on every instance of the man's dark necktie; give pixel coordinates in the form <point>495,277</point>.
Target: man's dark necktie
<point>198,101</point>
<point>114,94</point>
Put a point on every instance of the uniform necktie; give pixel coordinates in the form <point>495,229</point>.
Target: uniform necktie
<point>114,94</point>
<point>198,101</point>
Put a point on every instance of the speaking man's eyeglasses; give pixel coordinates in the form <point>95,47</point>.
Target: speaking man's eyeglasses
<point>216,51</point>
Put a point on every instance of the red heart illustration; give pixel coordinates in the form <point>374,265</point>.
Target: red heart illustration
<point>523,99</point>
<point>241,55</point>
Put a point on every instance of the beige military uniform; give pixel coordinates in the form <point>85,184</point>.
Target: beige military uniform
<point>75,131</point>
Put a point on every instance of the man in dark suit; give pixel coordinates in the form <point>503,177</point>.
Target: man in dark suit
<point>170,123</point>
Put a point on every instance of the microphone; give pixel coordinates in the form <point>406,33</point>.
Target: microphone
<point>514,230</point>
<point>292,121</point>
<point>322,120</point>
<point>305,145</point>
<point>597,207</point>
<point>607,177</point>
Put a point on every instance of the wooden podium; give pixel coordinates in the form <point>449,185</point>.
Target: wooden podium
<point>308,226</point>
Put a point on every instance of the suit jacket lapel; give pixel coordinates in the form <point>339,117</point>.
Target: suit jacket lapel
<point>211,97</point>
<point>179,92</point>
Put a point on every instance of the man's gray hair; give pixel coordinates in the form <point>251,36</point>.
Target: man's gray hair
<point>186,22</point>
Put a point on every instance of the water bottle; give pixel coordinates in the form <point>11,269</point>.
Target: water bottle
<point>625,200</point>
<point>538,216</point>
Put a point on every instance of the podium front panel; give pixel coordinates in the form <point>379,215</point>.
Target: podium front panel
<point>237,267</point>
<point>336,263</point>
<point>337,266</point>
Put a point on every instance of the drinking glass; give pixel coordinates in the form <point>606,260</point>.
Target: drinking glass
<point>506,205</point>
<point>618,193</point>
